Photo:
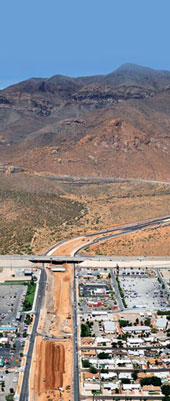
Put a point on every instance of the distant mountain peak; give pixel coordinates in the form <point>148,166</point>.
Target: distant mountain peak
<point>116,124</point>
<point>134,68</point>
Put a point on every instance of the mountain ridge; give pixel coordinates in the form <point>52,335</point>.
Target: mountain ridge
<point>118,123</point>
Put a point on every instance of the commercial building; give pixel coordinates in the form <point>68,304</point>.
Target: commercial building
<point>134,341</point>
<point>101,313</point>
<point>28,272</point>
<point>7,328</point>
<point>103,274</point>
<point>136,329</point>
<point>4,340</point>
<point>109,327</point>
<point>60,269</point>
<point>91,387</point>
<point>161,323</point>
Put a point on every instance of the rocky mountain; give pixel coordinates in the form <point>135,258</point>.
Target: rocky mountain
<point>109,125</point>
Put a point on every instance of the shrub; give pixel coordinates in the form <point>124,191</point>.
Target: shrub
<point>86,363</point>
<point>166,389</point>
<point>93,369</point>
<point>104,355</point>
<point>153,380</point>
<point>85,330</point>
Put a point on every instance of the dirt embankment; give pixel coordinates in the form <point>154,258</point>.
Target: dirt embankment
<point>51,371</point>
<point>49,366</point>
<point>150,242</point>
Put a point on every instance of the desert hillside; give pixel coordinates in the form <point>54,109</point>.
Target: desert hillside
<point>115,125</point>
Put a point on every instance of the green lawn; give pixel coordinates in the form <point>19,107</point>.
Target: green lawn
<point>29,298</point>
<point>16,282</point>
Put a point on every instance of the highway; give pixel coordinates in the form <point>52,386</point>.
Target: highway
<point>76,387</point>
<point>24,393</point>
<point>27,260</point>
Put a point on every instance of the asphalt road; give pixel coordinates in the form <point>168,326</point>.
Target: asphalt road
<point>126,229</point>
<point>155,347</point>
<point>24,393</point>
<point>19,260</point>
<point>76,387</point>
<point>123,397</point>
<point>83,180</point>
<point>126,370</point>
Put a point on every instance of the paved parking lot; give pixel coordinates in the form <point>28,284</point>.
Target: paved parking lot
<point>144,292</point>
<point>96,294</point>
<point>11,297</point>
<point>13,353</point>
<point>10,302</point>
<point>11,380</point>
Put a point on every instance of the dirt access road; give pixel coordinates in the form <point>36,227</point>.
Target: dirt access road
<point>52,362</point>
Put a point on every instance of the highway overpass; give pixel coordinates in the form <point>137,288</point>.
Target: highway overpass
<point>24,261</point>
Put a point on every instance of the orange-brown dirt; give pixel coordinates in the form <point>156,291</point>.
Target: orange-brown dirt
<point>49,376</point>
<point>52,361</point>
<point>154,242</point>
<point>62,302</point>
<point>121,126</point>
<point>51,370</point>
<point>116,205</point>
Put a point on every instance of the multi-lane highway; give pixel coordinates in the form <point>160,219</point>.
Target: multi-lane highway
<point>24,393</point>
<point>76,388</point>
<point>27,260</point>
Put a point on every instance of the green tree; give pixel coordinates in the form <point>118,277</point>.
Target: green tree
<point>135,375</point>
<point>104,355</point>
<point>93,369</point>
<point>125,381</point>
<point>153,380</point>
<point>86,363</point>
<point>9,397</point>
<point>166,389</point>
<point>123,323</point>
<point>85,330</point>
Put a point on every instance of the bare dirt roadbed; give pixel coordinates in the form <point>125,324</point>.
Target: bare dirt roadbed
<point>52,362</point>
<point>50,373</point>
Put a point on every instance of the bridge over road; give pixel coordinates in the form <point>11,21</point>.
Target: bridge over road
<point>20,261</point>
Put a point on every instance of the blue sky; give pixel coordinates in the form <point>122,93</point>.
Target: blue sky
<point>81,37</point>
